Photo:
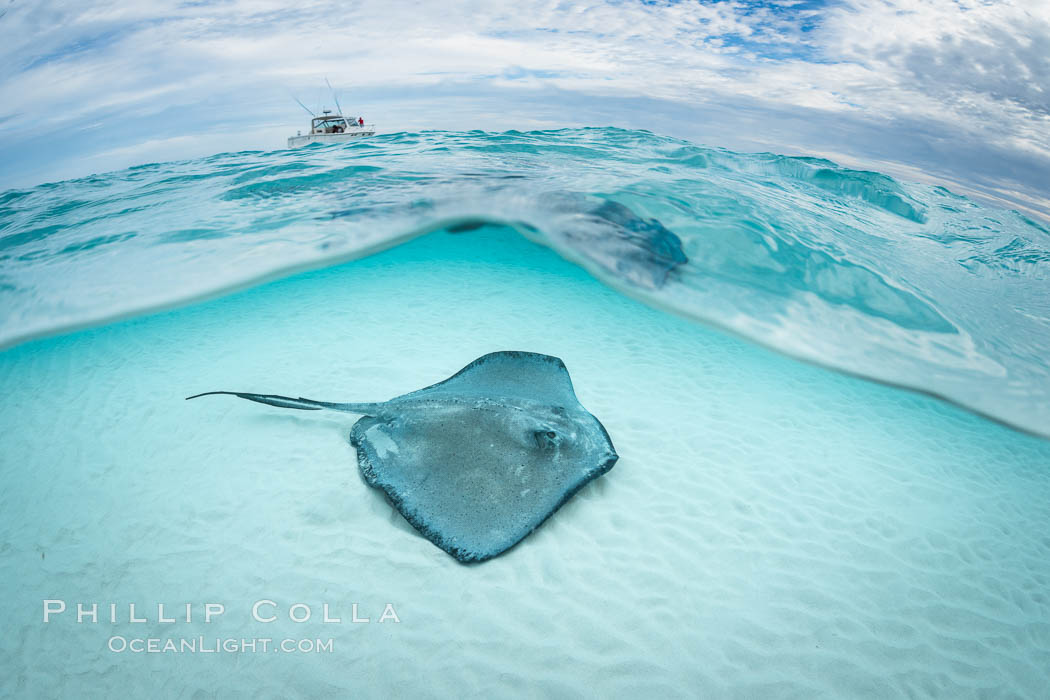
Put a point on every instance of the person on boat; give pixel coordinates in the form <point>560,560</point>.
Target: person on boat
<point>360,121</point>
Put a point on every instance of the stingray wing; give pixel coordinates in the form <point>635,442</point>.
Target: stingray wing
<point>509,374</point>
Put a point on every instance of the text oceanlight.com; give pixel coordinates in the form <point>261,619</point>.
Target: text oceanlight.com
<point>201,645</point>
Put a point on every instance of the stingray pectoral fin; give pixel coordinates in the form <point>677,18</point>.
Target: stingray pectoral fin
<point>299,403</point>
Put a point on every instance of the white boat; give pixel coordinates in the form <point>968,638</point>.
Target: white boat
<point>331,128</point>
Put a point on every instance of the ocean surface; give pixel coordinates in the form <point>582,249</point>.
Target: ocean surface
<point>829,391</point>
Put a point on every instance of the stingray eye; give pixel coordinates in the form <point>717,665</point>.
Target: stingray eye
<point>546,439</point>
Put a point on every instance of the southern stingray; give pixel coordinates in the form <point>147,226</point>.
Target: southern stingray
<point>632,248</point>
<point>477,462</point>
<point>641,251</point>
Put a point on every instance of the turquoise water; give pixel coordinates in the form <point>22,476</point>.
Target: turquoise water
<point>771,529</point>
<point>904,283</point>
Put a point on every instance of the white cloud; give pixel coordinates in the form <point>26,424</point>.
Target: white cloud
<point>980,70</point>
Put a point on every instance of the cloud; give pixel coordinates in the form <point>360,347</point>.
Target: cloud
<point>953,50</point>
<point>965,85</point>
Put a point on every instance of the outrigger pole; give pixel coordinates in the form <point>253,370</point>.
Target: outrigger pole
<point>333,95</point>
<point>303,106</point>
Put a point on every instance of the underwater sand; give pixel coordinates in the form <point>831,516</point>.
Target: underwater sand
<point>772,529</point>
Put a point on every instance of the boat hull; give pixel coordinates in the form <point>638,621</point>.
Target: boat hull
<point>297,141</point>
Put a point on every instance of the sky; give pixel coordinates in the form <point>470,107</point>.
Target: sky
<point>955,92</point>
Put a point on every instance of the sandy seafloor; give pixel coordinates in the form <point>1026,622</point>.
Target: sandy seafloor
<point>772,529</point>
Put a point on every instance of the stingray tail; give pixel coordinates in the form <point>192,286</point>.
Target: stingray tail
<point>299,403</point>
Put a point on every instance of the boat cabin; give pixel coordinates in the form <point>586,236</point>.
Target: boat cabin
<point>329,124</point>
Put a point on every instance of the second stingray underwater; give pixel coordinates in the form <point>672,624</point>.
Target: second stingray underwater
<point>478,461</point>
